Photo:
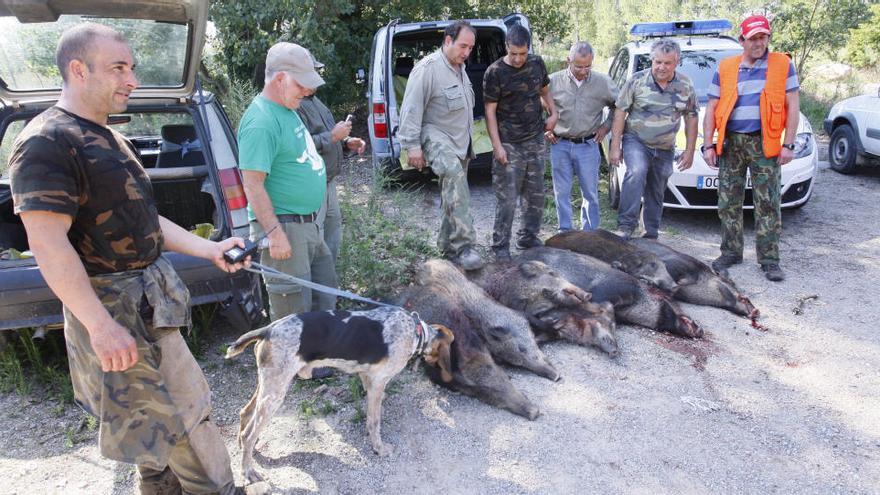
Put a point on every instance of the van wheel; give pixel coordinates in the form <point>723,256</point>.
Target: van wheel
<point>842,150</point>
<point>613,188</point>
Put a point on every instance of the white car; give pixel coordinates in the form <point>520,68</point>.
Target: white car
<point>702,48</point>
<point>854,127</point>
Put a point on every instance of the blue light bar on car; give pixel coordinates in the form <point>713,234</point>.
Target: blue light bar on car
<point>680,28</point>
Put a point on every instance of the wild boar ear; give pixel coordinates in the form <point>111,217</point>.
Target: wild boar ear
<point>530,269</point>
<point>539,324</point>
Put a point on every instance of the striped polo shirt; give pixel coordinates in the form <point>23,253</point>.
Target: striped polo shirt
<point>746,115</point>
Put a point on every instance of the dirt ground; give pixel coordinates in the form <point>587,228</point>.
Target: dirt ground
<point>794,409</point>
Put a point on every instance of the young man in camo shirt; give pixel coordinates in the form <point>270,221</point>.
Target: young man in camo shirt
<point>514,87</point>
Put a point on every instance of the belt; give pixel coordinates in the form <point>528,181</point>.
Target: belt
<point>753,133</point>
<point>293,217</point>
<point>580,140</point>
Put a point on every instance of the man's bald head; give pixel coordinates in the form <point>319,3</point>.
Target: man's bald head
<point>79,41</point>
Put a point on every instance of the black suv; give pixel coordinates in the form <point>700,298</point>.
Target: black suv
<point>183,137</point>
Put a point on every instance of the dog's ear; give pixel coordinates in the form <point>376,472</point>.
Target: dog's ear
<point>443,350</point>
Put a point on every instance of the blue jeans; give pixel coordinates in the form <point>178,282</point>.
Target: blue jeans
<point>567,159</point>
<point>647,170</point>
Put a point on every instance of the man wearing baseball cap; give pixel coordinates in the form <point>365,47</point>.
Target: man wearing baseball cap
<point>754,107</point>
<point>285,182</point>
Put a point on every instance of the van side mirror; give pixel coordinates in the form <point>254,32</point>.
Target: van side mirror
<point>360,75</point>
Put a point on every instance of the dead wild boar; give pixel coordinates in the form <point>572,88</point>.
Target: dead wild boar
<point>589,324</point>
<point>505,331</point>
<point>475,373</point>
<point>634,301</point>
<point>614,250</point>
<point>531,287</point>
<point>556,308</point>
<point>706,287</point>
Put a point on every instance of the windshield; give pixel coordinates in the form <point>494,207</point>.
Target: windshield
<point>27,51</point>
<point>699,65</point>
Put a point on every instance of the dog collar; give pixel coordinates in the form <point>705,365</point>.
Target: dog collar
<point>421,330</point>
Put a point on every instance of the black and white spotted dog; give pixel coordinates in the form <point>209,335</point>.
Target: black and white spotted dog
<point>375,344</point>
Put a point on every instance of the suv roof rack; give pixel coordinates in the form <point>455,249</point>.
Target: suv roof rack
<point>710,27</point>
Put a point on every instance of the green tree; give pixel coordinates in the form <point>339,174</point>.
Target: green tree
<point>863,47</point>
<point>340,32</point>
<point>804,28</point>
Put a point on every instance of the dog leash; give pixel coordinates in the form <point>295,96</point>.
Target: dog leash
<point>273,273</point>
<point>421,326</point>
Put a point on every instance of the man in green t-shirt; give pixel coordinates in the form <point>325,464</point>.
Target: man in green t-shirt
<point>285,182</point>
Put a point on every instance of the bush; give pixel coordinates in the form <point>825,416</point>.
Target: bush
<point>382,243</point>
<point>863,47</point>
<point>26,362</point>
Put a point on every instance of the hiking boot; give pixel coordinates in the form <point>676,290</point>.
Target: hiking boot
<point>624,232</point>
<point>528,241</point>
<point>501,255</point>
<point>773,272</point>
<point>650,236</point>
<point>468,259</point>
<point>725,261</point>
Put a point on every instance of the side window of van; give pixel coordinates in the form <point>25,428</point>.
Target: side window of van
<point>12,130</point>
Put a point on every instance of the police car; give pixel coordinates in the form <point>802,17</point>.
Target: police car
<point>703,46</point>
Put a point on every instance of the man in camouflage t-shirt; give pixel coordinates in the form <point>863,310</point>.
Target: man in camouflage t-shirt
<point>513,88</point>
<point>651,105</point>
<point>93,226</point>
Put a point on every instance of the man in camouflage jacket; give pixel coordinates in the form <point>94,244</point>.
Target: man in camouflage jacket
<point>87,206</point>
<point>651,105</point>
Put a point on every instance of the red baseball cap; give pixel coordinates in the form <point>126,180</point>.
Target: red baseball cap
<point>753,25</point>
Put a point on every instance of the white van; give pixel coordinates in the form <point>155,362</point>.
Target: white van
<point>396,49</point>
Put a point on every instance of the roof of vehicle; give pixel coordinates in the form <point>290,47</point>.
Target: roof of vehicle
<point>442,24</point>
<point>25,74</point>
<point>501,22</point>
<point>687,43</point>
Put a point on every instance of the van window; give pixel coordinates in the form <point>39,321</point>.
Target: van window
<point>146,130</point>
<point>14,128</point>
<point>410,47</point>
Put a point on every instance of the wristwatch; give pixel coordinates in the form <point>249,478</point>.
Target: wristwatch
<point>789,146</point>
<point>703,148</point>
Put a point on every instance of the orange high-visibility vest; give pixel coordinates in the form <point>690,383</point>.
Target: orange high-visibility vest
<point>773,107</point>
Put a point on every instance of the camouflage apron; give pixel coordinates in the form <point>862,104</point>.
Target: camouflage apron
<point>141,419</point>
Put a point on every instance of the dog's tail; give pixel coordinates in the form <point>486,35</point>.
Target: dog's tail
<point>245,340</point>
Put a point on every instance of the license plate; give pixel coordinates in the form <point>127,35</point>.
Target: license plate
<point>711,182</point>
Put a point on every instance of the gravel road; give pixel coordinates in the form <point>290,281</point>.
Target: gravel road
<point>795,409</point>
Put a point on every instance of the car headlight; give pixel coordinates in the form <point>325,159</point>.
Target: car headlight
<point>803,144</point>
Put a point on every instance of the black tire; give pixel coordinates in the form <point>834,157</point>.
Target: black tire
<point>613,188</point>
<point>842,150</point>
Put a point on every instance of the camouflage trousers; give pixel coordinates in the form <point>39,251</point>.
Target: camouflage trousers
<point>154,414</point>
<point>456,225</point>
<point>744,152</point>
<point>522,178</point>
